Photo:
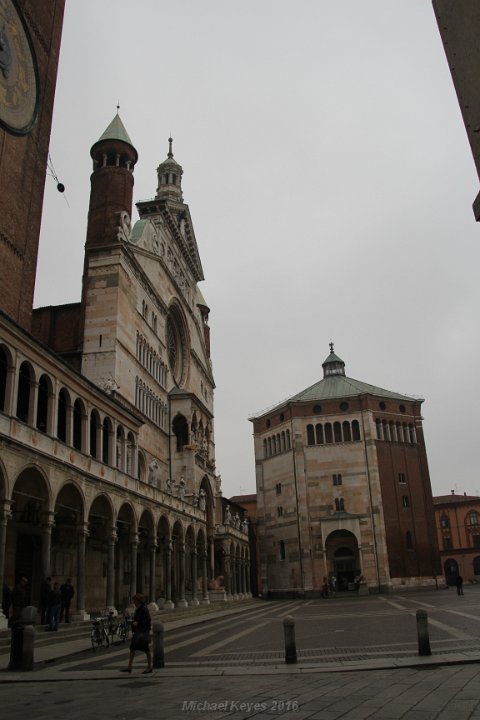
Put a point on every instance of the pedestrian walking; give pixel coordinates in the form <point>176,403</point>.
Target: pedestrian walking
<point>459,584</point>
<point>45,588</point>
<point>141,634</point>
<point>333,585</point>
<point>54,607</point>
<point>68,592</point>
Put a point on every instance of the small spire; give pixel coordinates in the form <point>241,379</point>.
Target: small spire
<point>170,151</point>
<point>118,106</point>
<point>331,347</point>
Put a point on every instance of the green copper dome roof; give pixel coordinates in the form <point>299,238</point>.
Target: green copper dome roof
<point>339,386</point>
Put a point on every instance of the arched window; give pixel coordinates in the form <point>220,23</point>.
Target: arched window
<point>77,424</point>
<point>94,424</point>
<point>180,430</point>
<point>3,377</point>
<point>319,433</point>
<point>283,441</point>
<point>106,432</point>
<point>130,453</point>
<point>269,443</point>
<point>42,407</point>
<point>476,565</point>
<point>310,435</point>
<point>337,432</point>
<point>23,397</point>
<point>405,501</point>
<point>62,415</point>
<point>339,505</point>
<point>408,540</point>
<point>289,445</point>
<point>328,433</point>
<point>378,423</point>
<point>386,430</point>
<point>356,430</point>
<point>264,448</point>
<point>393,432</point>
<point>347,435</point>
<point>444,521</point>
<point>282,550</point>
<point>119,447</point>
<point>472,518</point>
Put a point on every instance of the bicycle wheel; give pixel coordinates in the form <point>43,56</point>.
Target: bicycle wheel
<point>105,641</point>
<point>95,638</point>
<point>122,631</point>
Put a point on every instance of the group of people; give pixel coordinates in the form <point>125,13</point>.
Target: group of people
<point>55,601</point>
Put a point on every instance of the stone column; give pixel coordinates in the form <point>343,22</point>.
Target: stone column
<point>47,525</point>
<point>69,426</point>
<point>4,517</point>
<point>133,563</point>
<point>226,574</point>
<point>111,540</point>
<point>194,600</point>
<point>249,588</point>
<point>82,534</point>
<point>211,549</point>
<point>205,598</point>
<point>11,391</point>
<point>152,585</point>
<point>33,404</point>
<point>234,577</point>
<point>181,554</point>
<point>243,580</point>
<point>168,575</point>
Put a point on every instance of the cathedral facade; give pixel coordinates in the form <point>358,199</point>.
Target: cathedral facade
<point>343,490</point>
<point>107,442</point>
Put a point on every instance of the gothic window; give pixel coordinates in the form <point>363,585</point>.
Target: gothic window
<point>23,397</point>
<point>337,432</point>
<point>356,430</point>
<point>280,511</point>
<point>106,432</point>
<point>77,425</point>
<point>405,501</point>
<point>94,425</point>
<point>310,435</point>
<point>62,415</point>
<point>319,433</point>
<point>278,488</point>
<point>339,505</point>
<point>337,479</point>
<point>328,433</point>
<point>42,408</point>
<point>3,377</point>
<point>347,435</point>
<point>180,430</point>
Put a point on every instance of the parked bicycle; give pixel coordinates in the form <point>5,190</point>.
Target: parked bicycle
<point>116,625</point>
<point>99,635</point>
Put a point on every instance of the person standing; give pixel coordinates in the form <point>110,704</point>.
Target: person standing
<point>45,588</point>
<point>68,592</point>
<point>459,584</point>
<point>141,633</point>
<point>54,607</point>
<point>19,599</point>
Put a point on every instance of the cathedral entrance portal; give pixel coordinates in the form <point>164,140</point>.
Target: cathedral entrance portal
<point>343,560</point>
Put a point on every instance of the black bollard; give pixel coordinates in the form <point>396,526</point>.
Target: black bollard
<point>158,648</point>
<point>22,641</point>
<point>290,646</point>
<point>422,631</point>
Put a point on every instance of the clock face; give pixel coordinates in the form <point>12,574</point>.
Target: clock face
<point>18,72</point>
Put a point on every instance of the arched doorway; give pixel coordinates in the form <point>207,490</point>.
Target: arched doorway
<point>450,568</point>
<point>343,559</point>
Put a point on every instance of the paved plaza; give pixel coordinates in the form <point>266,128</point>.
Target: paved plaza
<point>233,665</point>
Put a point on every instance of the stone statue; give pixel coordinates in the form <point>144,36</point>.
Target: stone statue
<point>181,488</point>
<point>245,526</point>
<point>170,486</point>
<point>153,473</point>
<point>237,521</point>
<point>228,515</point>
<point>202,500</point>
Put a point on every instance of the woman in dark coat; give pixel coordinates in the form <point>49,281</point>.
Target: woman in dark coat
<point>141,633</point>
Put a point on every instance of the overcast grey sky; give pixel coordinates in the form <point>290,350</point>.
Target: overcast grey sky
<point>330,181</point>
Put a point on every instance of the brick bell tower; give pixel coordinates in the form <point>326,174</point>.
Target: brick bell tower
<point>30,34</point>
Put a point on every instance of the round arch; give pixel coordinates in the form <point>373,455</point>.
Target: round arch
<point>343,558</point>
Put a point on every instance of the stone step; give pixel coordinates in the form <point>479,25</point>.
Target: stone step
<point>79,629</point>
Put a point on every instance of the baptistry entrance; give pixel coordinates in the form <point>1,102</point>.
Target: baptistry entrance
<point>343,559</point>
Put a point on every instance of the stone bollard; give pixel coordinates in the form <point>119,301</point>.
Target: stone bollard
<point>290,646</point>
<point>22,641</point>
<point>422,632</point>
<point>158,647</point>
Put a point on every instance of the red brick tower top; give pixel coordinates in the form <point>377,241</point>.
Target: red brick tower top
<point>114,158</point>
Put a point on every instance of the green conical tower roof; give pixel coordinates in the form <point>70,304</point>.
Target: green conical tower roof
<point>116,131</point>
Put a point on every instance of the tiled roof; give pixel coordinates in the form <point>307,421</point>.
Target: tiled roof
<point>452,498</point>
<point>338,386</point>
